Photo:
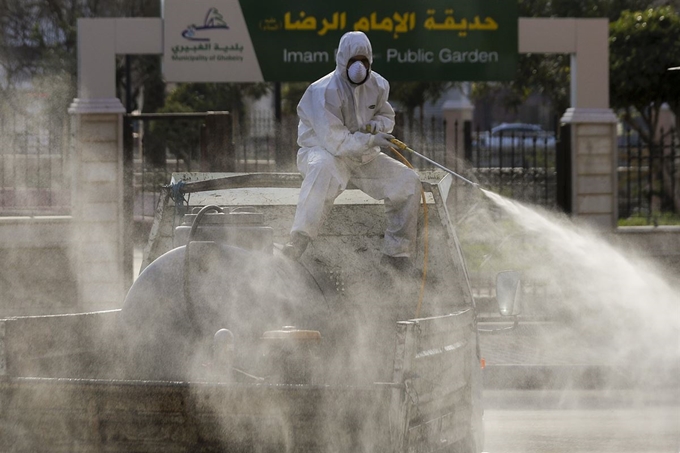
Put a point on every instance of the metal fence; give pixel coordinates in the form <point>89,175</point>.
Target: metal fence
<point>520,165</point>
<point>649,177</point>
<point>516,164</point>
<point>425,135</point>
<point>150,162</point>
<point>34,164</point>
<point>35,161</point>
<point>257,143</point>
<point>264,143</point>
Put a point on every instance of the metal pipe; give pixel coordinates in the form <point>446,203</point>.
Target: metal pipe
<point>401,145</point>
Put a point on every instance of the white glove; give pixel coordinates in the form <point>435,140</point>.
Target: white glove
<point>372,127</point>
<point>381,139</point>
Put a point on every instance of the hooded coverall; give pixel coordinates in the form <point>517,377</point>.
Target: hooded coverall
<point>334,150</point>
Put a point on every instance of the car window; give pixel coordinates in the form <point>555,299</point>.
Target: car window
<point>517,131</point>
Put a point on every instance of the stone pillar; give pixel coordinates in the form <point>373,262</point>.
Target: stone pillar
<point>593,167</point>
<point>103,249</point>
<point>97,172</point>
<point>98,229</point>
<point>593,128</point>
<point>593,123</point>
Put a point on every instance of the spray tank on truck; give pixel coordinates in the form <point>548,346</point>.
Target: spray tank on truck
<point>223,343</point>
<point>335,317</point>
<point>214,263</point>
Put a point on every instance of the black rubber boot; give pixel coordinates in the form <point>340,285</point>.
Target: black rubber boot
<point>296,246</point>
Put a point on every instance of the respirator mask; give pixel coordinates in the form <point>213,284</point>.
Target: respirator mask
<point>357,72</point>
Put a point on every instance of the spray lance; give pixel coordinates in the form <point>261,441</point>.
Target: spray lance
<point>402,146</point>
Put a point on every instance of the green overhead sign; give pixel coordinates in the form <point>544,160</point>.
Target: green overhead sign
<point>271,40</point>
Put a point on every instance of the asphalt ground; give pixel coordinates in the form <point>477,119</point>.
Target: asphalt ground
<point>552,355</point>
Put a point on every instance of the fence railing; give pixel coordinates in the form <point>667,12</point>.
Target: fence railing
<point>520,165</point>
<point>35,177</point>
<point>264,143</point>
<point>649,177</point>
<point>34,165</point>
<point>427,136</point>
<point>516,164</point>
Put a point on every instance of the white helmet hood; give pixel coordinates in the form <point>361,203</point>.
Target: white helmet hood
<point>352,44</point>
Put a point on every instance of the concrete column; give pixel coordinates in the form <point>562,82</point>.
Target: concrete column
<point>593,131</point>
<point>98,233</point>
<point>97,156</point>
<point>593,167</point>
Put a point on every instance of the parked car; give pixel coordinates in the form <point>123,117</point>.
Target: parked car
<point>517,142</point>
<point>519,135</point>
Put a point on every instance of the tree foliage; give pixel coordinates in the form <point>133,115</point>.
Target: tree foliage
<point>183,136</point>
<point>38,41</point>
<point>549,75</point>
<point>643,45</point>
<point>410,95</point>
<point>413,95</point>
<point>291,93</point>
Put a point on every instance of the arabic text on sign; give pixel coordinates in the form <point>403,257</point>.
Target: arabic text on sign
<point>462,26</point>
<point>396,23</point>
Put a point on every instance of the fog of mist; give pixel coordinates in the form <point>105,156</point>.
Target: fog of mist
<point>617,301</point>
<point>39,274</point>
<point>620,305</point>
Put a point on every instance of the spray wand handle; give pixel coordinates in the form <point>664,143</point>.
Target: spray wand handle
<point>401,145</point>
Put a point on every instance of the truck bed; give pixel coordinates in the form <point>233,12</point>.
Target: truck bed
<point>57,398</point>
<point>413,384</point>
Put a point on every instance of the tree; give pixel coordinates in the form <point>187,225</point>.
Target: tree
<point>291,93</point>
<point>643,45</point>
<point>182,137</point>
<point>38,41</point>
<point>549,75</point>
<point>413,95</point>
<point>38,37</point>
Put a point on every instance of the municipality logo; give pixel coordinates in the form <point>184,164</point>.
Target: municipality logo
<point>213,21</point>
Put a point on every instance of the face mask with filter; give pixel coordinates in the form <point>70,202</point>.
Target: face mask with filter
<point>357,73</point>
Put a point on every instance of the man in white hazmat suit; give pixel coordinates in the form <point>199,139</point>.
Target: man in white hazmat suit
<point>344,121</point>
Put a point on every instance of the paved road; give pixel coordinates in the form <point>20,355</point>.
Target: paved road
<point>582,421</point>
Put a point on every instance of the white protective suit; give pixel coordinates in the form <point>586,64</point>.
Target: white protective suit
<point>334,150</point>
